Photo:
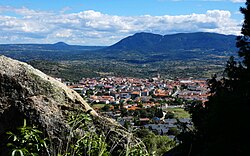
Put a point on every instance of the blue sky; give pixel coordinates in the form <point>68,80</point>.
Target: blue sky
<point>104,22</point>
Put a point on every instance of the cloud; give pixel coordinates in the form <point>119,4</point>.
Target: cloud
<point>238,1</point>
<point>23,25</point>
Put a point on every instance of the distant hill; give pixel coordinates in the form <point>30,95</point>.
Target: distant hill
<point>143,42</point>
<point>140,55</point>
<point>148,47</point>
<point>148,42</point>
<point>57,51</point>
<point>139,48</point>
<point>57,46</point>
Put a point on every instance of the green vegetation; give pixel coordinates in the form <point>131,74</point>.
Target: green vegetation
<point>141,55</point>
<point>156,145</point>
<point>99,106</point>
<point>89,143</point>
<point>99,67</point>
<point>221,124</point>
<point>83,139</point>
<point>143,113</point>
<point>127,59</point>
<point>27,141</point>
<point>178,112</point>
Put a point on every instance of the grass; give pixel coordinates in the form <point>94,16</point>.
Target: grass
<point>99,106</point>
<point>179,112</point>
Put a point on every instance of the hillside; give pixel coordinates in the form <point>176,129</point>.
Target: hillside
<point>57,51</point>
<point>141,55</point>
<point>148,42</point>
<point>147,47</point>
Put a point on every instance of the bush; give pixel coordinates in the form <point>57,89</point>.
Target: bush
<point>28,141</point>
<point>82,139</point>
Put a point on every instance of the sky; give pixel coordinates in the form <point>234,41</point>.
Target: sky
<point>105,22</point>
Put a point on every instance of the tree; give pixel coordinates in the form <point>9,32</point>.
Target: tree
<point>243,41</point>
<point>106,108</point>
<point>155,144</point>
<point>158,113</point>
<point>221,124</point>
<point>127,124</point>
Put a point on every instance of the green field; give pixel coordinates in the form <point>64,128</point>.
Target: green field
<point>99,106</point>
<point>178,112</point>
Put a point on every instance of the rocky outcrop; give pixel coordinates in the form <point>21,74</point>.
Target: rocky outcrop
<point>28,93</point>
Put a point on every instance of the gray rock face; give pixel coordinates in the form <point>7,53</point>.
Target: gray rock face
<point>38,97</point>
<point>26,92</point>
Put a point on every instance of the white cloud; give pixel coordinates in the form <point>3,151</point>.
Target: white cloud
<point>64,33</point>
<point>238,1</point>
<point>95,28</point>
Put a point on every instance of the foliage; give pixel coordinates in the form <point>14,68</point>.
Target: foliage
<point>177,113</point>
<point>170,115</point>
<point>106,107</point>
<point>173,131</point>
<point>27,141</point>
<point>143,113</point>
<point>98,106</point>
<point>74,70</point>
<point>221,123</point>
<point>83,140</point>
<point>156,145</point>
<point>127,124</point>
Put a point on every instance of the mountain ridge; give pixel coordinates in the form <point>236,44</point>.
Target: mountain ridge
<point>155,42</point>
<point>139,55</point>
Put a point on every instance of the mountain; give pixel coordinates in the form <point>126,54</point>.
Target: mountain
<point>61,44</point>
<point>141,47</point>
<point>140,55</point>
<point>148,42</point>
<point>138,42</point>
<point>147,47</point>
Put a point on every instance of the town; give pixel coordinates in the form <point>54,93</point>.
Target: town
<point>155,103</point>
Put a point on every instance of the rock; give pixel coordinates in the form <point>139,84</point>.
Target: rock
<point>28,93</point>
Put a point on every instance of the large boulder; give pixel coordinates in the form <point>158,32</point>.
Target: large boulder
<point>28,93</point>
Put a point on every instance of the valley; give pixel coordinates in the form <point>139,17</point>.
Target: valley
<point>142,55</point>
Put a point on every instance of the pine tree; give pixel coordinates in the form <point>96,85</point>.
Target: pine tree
<point>243,41</point>
<point>222,125</point>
